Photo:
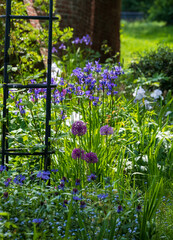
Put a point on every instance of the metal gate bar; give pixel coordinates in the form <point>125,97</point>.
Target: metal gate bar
<point>6,86</point>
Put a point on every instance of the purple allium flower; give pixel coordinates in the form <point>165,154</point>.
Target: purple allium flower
<point>102,196</point>
<point>75,191</point>
<point>37,220</point>
<point>76,198</point>
<point>65,203</point>
<point>82,204</point>
<point>91,157</point>
<point>92,177</point>
<point>106,130</point>
<point>138,208</point>
<point>5,195</point>
<point>119,209</point>
<point>2,168</point>
<point>79,128</point>
<point>44,175</point>
<point>19,179</point>
<point>78,153</point>
<point>61,186</point>
<point>77,183</point>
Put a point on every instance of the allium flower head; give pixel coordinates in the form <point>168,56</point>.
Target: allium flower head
<point>91,157</point>
<point>78,153</point>
<point>79,128</point>
<point>106,130</point>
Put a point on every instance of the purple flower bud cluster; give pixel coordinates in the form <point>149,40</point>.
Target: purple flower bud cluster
<point>79,128</point>
<point>19,179</point>
<point>2,168</point>
<point>43,175</point>
<point>61,186</point>
<point>78,153</point>
<point>37,220</point>
<point>85,39</point>
<point>91,157</point>
<point>106,130</point>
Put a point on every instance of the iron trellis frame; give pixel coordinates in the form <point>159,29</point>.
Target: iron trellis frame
<point>6,152</point>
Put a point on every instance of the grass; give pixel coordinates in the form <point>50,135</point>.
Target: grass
<point>140,36</point>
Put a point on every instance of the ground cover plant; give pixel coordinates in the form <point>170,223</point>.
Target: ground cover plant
<point>111,173</point>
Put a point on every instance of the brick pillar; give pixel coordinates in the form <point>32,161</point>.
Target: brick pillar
<point>98,18</point>
<point>106,24</point>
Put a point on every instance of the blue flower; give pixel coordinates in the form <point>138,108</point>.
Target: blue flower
<point>92,177</point>
<point>19,179</point>
<point>76,198</point>
<point>37,220</point>
<point>2,168</point>
<point>44,175</point>
<point>102,196</point>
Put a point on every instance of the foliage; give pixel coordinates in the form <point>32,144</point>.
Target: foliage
<point>159,62</point>
<point>137,37</point>
<point>26,62</point>
<point>162,10</point>
<point>136,6</point>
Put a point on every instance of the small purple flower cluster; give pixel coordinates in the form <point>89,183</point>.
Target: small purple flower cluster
<point>85,39</point>
<point>79,128</point>
<point>2,168</point>
<point>106,130</point>
<point>61,186</point>
<point>19,179</point>
<point>37,220</point>
<point>44,175</point>
<point>78,153</point>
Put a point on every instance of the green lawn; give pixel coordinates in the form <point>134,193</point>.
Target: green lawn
<point>137,37</point>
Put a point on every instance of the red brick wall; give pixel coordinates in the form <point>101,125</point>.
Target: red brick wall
<point>76,14</point>
<point>98,18</point>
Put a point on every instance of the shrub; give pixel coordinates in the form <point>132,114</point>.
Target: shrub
<point>156,62</point>
<point>162,11</point>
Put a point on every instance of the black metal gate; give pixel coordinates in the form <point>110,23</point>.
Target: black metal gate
<point>6,151</point>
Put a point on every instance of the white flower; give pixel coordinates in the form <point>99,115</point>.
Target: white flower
<point>156,94</point>
<point>139,93</point>
<point>147,105</point>
<point>55,71</point>
<point>73,118</point>
<point>167,113</point>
